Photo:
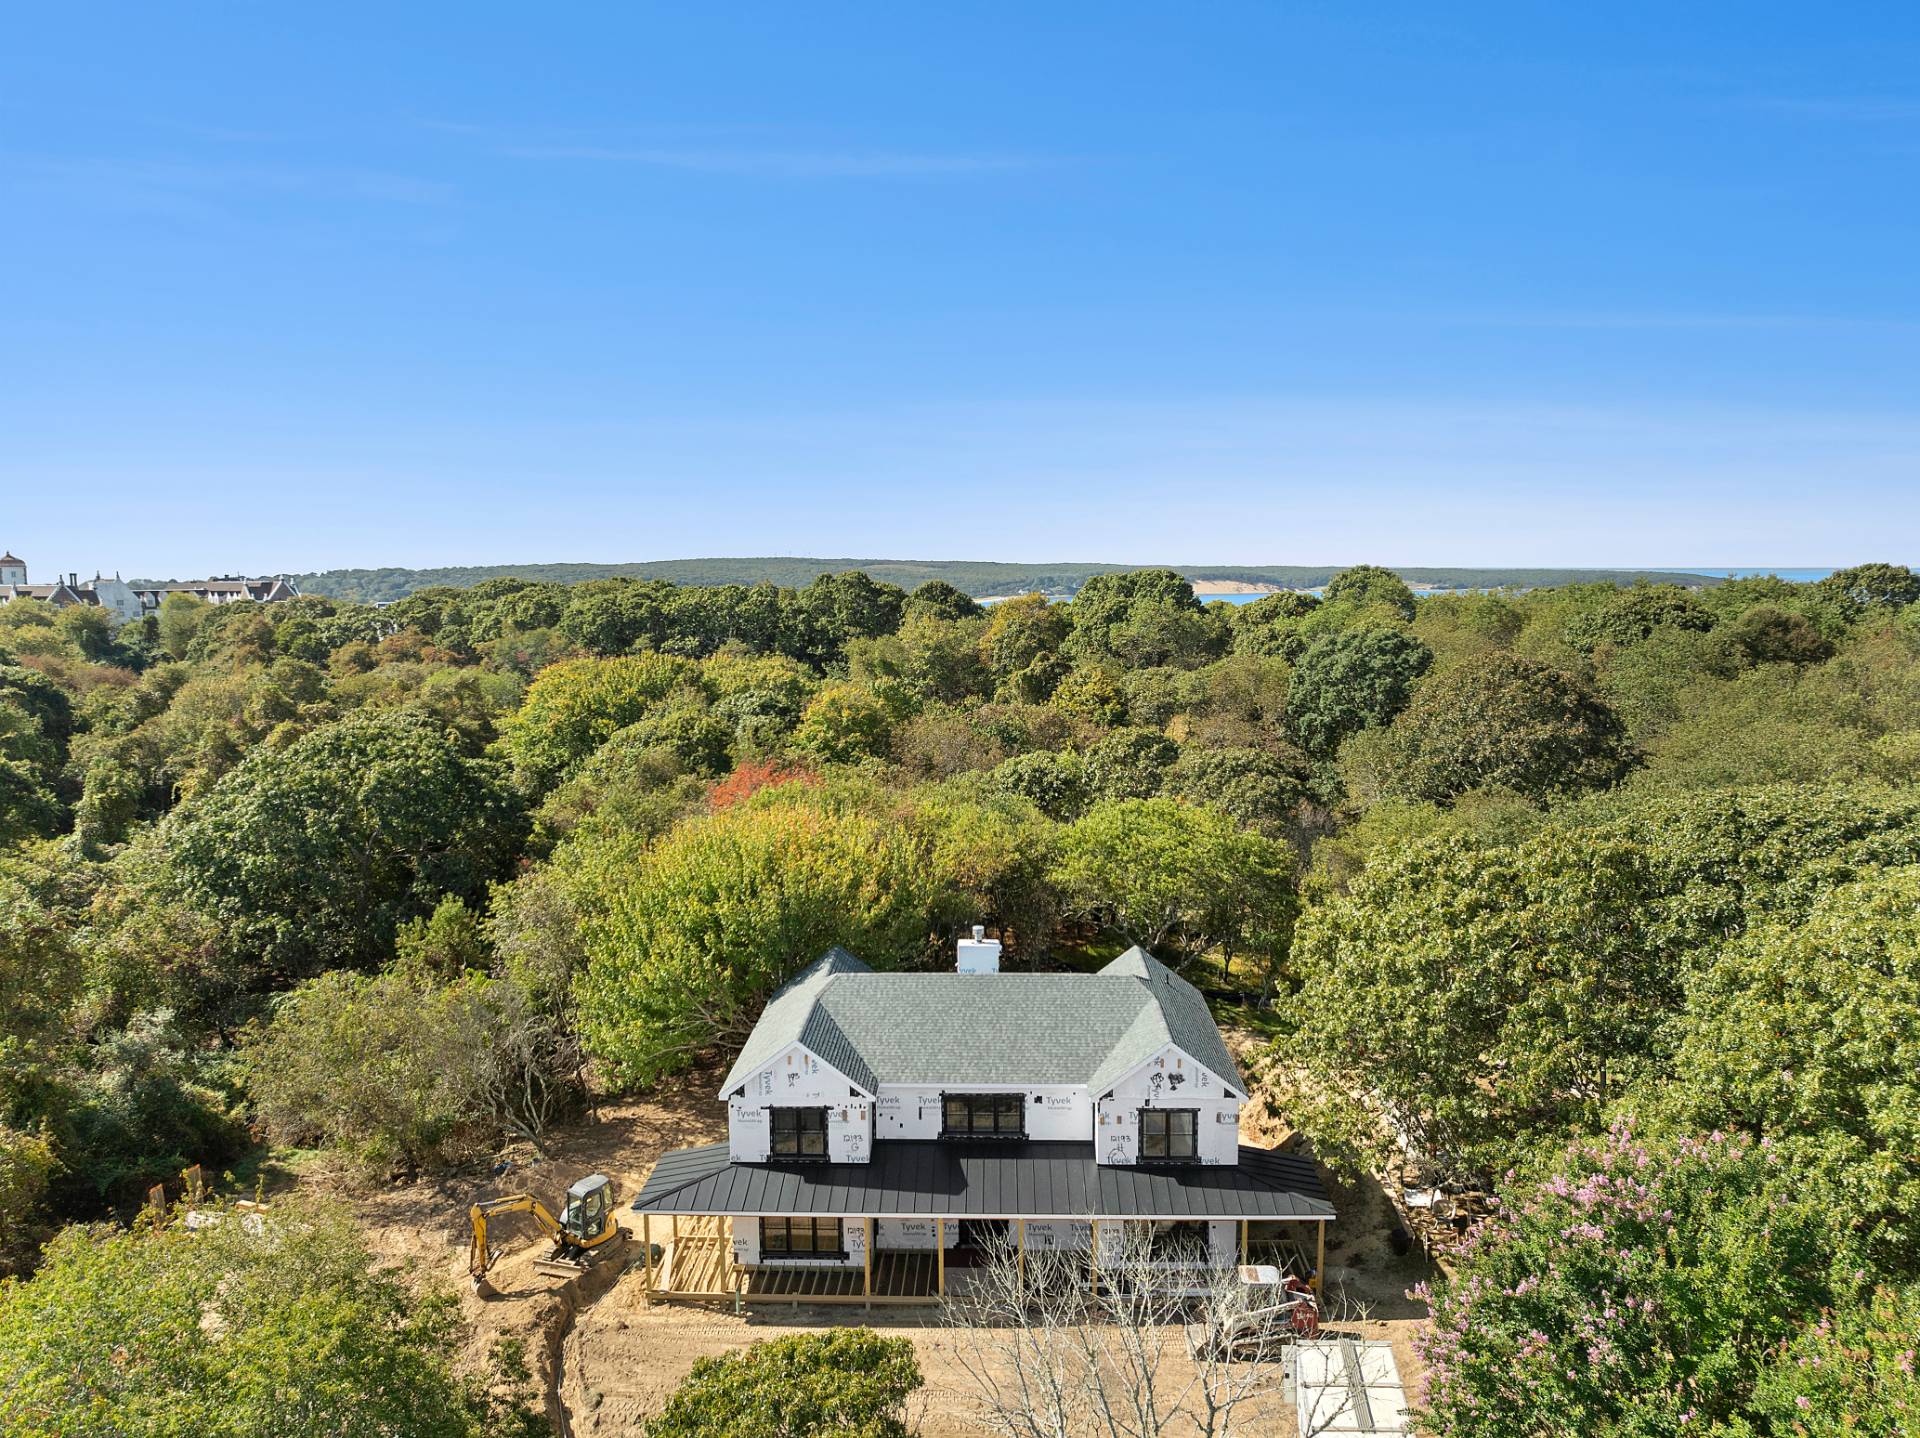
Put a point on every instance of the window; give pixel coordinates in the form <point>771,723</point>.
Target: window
<point>985,1115</point>
<point>1169,1133</point>
<point>799,1133</point>
<point>801,1238</point>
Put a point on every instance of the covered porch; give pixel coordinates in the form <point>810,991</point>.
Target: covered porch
<point>1269,1209</point>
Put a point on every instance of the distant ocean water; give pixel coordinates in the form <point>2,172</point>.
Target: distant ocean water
<point>1798,576</point>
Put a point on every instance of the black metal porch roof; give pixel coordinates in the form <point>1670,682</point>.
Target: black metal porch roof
<point>985,1179</point>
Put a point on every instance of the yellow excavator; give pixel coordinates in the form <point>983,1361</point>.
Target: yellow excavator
<point>580,1235</point>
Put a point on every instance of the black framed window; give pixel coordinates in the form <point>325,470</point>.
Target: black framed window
<point>984,1115</point>
<point>801,1238</point>
<point>799,1133</point>
<point>1169,1134</point>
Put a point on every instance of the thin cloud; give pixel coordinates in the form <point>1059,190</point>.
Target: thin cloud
<point>784,164</point>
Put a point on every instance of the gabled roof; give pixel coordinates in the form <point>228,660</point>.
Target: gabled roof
<point>949,1028</point>
<point>790,1014</point>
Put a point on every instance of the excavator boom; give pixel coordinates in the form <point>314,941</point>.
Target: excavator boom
<point>585,1228</point>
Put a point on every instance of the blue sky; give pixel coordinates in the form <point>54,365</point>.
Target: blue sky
<point>290,288</point>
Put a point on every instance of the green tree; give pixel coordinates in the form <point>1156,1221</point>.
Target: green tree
<point>1634,614</point>
<point>1256,787</point>
<point>938,599</point>
<point>1481,1000</point>
<point>1270,627</point>
<point>845,1383</point>
<point>1143,618</point>
<point>1892,585</point>
<point>1055,783</point>
<point>988,853</point>
<point>1366,585</point>
<point>574,707</point>
<point>836,608</point>
<point>1806,1032</point>
<point>256,1324</point>
<point>1163,873</point>
<point>616,616</point>
<point>89,629</point>
<point>312,856</point>
<point>1091,693</point>
<point>1352,680</point>
<point>845,723</point>
<point>1022,632</point>
<point>1772,636</point>
<point>1129,764</point>
<point>685,939</point>
<point>1509,723</point>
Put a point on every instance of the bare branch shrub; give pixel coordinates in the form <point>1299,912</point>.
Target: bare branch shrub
<point>1137,1357</point>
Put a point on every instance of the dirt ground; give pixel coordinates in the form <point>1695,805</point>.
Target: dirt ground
<point>607,1363</point>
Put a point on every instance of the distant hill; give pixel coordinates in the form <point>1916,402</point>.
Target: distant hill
<point>977,578</point>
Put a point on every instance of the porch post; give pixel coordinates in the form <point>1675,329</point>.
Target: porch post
<point>1093,1250</point>
<point>869,1264</point>
<point>940,1252</point>
<point>1243,1241</point>
<point>1320,1256</point>
<point>646,1252</point>
<point>1023,1255</point>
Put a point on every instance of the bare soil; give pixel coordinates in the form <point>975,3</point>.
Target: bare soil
<point>607,1363</point>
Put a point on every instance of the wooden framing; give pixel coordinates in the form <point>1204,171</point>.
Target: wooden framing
<point>699,1265</point>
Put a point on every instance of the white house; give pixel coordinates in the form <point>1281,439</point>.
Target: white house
<point>113,595</point>
<point>223,589</point>
<point>872,1116</point>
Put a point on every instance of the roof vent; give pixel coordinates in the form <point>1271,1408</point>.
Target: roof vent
<point>979,954</point>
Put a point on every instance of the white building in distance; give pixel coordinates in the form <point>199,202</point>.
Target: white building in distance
<point>125,602</point>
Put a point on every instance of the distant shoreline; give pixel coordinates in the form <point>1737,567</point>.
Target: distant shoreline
<point>981,579</point>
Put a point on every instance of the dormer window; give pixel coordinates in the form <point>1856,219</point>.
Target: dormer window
<point>984,1115</point>
<point>798,1132</point>
<point>1169,1135</point>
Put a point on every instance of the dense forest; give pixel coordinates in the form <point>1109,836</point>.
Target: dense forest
<point>980,579</point>
<point>1605,898</point>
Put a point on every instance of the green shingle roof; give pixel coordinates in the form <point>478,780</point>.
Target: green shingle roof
<point>955,1029</point>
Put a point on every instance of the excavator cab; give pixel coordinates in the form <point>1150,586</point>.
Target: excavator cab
<point>589,1205</point>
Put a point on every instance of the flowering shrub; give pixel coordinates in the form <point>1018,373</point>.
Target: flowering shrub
<point>1849,1374</point>
<point>1637,1290</point>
